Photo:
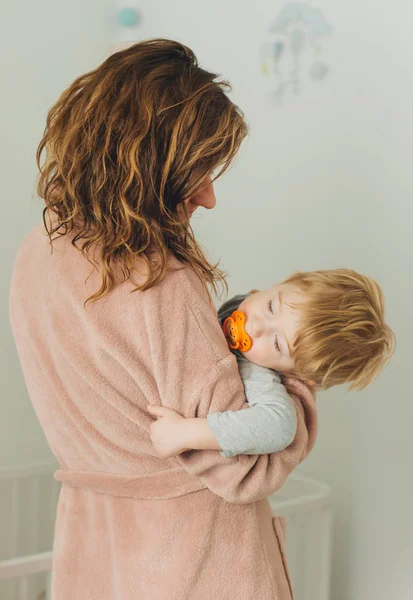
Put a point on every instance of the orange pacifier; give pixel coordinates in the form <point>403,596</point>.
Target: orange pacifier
<point>234,331</point>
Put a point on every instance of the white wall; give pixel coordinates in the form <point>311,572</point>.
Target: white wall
<point>43,46</point>
<point>324,181</point>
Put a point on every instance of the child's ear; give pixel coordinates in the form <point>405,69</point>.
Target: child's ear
<point>253,291</point>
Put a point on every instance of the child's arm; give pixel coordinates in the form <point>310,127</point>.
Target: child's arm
<point>269,425</point>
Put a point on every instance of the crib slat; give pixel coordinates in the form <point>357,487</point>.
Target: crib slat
<point>49,586</point>
<point>34,515</point>
<point>14,517</point>
<point>23,589</point>
<point>325,556</point>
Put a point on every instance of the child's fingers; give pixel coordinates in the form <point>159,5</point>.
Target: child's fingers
<point>159,411</point>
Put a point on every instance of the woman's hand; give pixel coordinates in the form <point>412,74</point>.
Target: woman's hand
<point>166,432</point>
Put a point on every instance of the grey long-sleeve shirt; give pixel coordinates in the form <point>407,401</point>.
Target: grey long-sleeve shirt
<point>269,424</point>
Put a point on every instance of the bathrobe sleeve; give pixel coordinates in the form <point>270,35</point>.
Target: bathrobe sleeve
<point>197,374</point>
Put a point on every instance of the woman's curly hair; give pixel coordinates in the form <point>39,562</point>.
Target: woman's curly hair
<point>124,146</point>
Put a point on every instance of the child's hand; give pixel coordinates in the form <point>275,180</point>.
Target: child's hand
<point>166,432</point>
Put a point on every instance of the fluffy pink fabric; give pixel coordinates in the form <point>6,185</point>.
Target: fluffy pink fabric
<point>129,524</point>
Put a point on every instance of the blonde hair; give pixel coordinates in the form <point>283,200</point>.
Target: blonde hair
<point>342,335</point>
<point>124,146</point>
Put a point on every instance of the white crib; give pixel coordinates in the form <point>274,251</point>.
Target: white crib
<point>28,499</point>
<point>306,506</point>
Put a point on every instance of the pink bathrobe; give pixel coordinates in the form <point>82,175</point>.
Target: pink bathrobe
<point>130,525</point>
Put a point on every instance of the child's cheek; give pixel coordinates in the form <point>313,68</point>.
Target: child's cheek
<point>247,354</point>
<point>252,355</point>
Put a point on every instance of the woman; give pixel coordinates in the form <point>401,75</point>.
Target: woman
<point>131,149</point>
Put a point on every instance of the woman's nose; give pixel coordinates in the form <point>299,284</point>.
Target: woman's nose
<point>206,196</point>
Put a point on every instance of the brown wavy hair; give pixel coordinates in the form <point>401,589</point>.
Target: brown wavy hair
<point>125,145</point>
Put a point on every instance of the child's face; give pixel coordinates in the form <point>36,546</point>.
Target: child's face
<point>272,326</point>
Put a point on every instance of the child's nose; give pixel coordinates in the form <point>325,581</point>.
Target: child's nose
<point>257,328</point>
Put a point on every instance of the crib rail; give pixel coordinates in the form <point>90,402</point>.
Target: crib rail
<point>23,568</point>
<point>26,565</point>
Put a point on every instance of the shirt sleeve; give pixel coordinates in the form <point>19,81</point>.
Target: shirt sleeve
<point>270,423</point>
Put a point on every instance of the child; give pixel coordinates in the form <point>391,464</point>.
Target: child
<point>324,327</point>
